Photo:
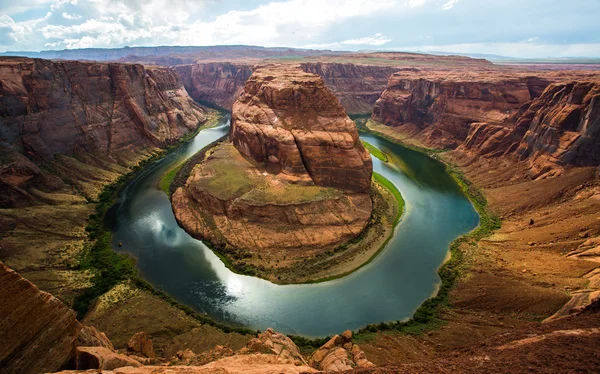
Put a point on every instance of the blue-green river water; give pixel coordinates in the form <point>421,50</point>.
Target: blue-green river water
<point>388,289</point>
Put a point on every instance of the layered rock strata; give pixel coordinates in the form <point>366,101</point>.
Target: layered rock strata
<point>438,107</point>
<point>561,127</point>
<point>356,86</point>
<point>96,112</point>
<point>38,332</point>
<point>295,176</point>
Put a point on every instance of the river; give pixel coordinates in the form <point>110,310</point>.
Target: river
<point>388,289</point>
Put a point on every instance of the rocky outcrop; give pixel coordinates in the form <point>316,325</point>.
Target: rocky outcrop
<point>38,332</point>
<point>107,111</point>
<point>89,336</point>
<point>101,358</point>
<point>293,181</point>
<point>140,344</point>
<point>438,107</point>
<point>357,87</point>
<point>216,82</point>
<point>275,343</point>
<point>561,127</point>
<point>293,123</point>
<point>340,354</point>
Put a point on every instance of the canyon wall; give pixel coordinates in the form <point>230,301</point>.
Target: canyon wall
<point>561,127</point>
<point>437,107</point>
<point>357,87</point>
<point>218,82</point>
<point>108,111</point>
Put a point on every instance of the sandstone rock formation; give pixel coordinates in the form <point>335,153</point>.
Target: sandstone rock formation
<point>140,344</point>
<point>561,127</point>
<point>292,122</point>
<point>89,336</point>
<point>37,331</point>
<point>294,182</point>
<point>357,87</point>
<point>437,107</point>
<point>50,109</point>
<point>275,343</point>
<point>340,354</point>
<point>217,82</point>
<point>101,358</point>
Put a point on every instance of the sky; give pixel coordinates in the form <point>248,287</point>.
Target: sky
<point>516,28</point>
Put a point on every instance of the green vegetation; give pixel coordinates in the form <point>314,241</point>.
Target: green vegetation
<point>167,179</point>
<point>375,151</point>
<point>394,191</point>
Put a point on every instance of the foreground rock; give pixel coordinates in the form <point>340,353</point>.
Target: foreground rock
<point>89,336</point>
<point>102,358</point>
<point>140,344</point>
<point>293,183</point>
<point>340,354</point>
<point>37,331</point>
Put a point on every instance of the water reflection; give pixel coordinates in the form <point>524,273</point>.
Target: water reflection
<point>390,288</point>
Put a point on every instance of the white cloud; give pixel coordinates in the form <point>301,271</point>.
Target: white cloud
<point>71,17</point>
<point>59,3</point>
<point>450,4</point>
<point>377,39</point>
<point>521,50</point>
<point>292,22</point>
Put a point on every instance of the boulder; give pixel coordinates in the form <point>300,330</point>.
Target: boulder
<point>140,343</point>
<point>102,358</point>
<point>89,336</point>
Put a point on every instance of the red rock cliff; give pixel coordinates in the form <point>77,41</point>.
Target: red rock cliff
<point>290,120</point>
<point>357,87</point>
<point>216,82</point>
<point>50,109</point>
<point>561,127</point>
<point>437,107</point>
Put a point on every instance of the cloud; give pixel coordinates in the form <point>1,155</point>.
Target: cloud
<point>377,39</point>
<point>522,49</point>
<point>450,4</point>
<point>276,23</point>
<point>59,3</point>
<point>73,16</point>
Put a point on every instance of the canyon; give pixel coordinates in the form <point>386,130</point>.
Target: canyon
<point>528,139</point>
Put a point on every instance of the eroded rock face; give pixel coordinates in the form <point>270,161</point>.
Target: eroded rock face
<point>357,87</point>
<point>438,107</point>
<point>140,344</point>
<point>289,120</point>
<point>340,354</point>
<point>50,109</point>
<point>561,127</point>
<point>102,358</point>
<point>217,82</point>
<point>89,336</point>
<point>37,331</point>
